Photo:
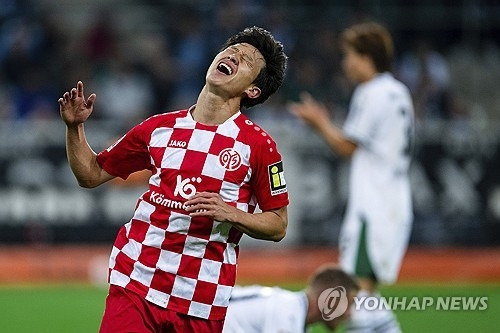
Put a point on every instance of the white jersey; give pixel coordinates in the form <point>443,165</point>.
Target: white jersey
<point>257,309</point>
<point>380,121</point>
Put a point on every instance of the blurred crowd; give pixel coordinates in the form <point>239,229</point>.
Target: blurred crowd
<point>151,56</point>
<point>157,63</point>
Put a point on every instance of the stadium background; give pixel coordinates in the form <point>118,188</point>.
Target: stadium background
<point>144,57</point>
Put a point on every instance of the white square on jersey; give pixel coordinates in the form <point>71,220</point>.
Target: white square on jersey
<point>229,192</point>
<point>154,236</point>
<point>178,223</point>
<point>173,158</point>
<point>157,297</point>
<point>228,129</point>
<point>243,206</point>
<point>212,167</point>
<point>197,309</point>
<point>201,140</point>
<point>220,231</point>
<point>143,211</point>
<point>222,295</point>
<point>142,273</point>
<point>132,249</point>
<point>185,122</point>
<point>160,137</point>
<point>183,287</point>
<point>112,257</point>
<point>230,254</point>
<point>195,246</point>
<point>169,261</point>
<point>155,178</point>
<point>209,270</point>
<point>244,151</point>
<point>119,278</point>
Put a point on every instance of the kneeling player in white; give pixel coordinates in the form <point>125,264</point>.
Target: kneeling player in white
<point>258,309</point>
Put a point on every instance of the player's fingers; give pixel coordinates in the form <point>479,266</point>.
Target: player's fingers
<point>198,207</point>
<point>303,110</point>
<point>197,200</point>
<point>201,212</point>
<point>204,195</point>
<point>295,108</point>
<point>91,100</point>
<point>60,101</point>
<point>308,101</point>
<point>306,97</point>
<point>194,201</point>
<point>312,103</point>
<point>66,96</point>
<point>73,93</point>
<point>79,86</point>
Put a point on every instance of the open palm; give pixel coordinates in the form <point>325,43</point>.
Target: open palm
<point>311,111</point>
<point>74,108</point>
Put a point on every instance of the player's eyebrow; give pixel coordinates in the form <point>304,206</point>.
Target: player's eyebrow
<point>250,60</point>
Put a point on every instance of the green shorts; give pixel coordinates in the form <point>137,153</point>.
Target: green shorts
<point>363,268</point>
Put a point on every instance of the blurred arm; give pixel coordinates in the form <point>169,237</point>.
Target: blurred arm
<point>316,116</point>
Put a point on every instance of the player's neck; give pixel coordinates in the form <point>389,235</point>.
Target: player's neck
<point>212,109</point>
<point>369,74</point>
<point>312,314</point>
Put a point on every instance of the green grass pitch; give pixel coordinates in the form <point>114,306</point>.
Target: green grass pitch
<point>78,308</point>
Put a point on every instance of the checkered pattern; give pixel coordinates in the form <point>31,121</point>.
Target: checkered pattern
<point>178,262</point>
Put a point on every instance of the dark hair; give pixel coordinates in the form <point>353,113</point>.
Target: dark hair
<point>373,40</point>
<point>330,276</point>
<point>272,74</point>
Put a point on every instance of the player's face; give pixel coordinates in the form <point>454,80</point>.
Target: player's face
<point>234,69</point>
<point>356,66</point>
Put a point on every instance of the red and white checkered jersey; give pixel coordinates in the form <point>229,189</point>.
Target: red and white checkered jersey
<point>182,263</point>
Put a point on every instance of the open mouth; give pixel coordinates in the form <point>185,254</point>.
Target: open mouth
<point>225,69</point>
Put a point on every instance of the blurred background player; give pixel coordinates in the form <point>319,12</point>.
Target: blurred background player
<point>173,266</point>
<point>259,309</point>
<point>377,136</point>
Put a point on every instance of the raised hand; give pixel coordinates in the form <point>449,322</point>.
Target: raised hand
<point>311,111</point>
<point>73,107</point>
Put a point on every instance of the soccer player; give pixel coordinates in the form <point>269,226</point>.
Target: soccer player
<point>258,309</point>
<point>377,137</point>
<point>173,265</point>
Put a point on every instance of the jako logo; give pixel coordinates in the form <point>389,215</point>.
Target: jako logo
<point>184,188</point>
<point>177,144</point>
<point>332,302</point>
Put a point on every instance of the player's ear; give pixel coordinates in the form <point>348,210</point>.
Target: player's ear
<point>253,92</point>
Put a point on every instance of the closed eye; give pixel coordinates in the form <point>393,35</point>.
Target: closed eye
<point>245,57</point>
<point>248,60</point>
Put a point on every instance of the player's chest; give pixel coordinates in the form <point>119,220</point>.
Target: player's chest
<point>199,153</point>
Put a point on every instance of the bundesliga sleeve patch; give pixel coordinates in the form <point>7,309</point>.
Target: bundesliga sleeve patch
<point>277,178</point>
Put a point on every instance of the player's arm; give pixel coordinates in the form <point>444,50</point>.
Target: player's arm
<point>268,225</point>
<point>75,110</point>
<point>316,115</point>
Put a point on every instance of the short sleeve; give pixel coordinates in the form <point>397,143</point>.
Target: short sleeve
<point>128,154</point>
<point>268,176</point>
<point>361,120</point>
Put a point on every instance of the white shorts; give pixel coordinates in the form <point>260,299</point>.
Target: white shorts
<point>385,242</point>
